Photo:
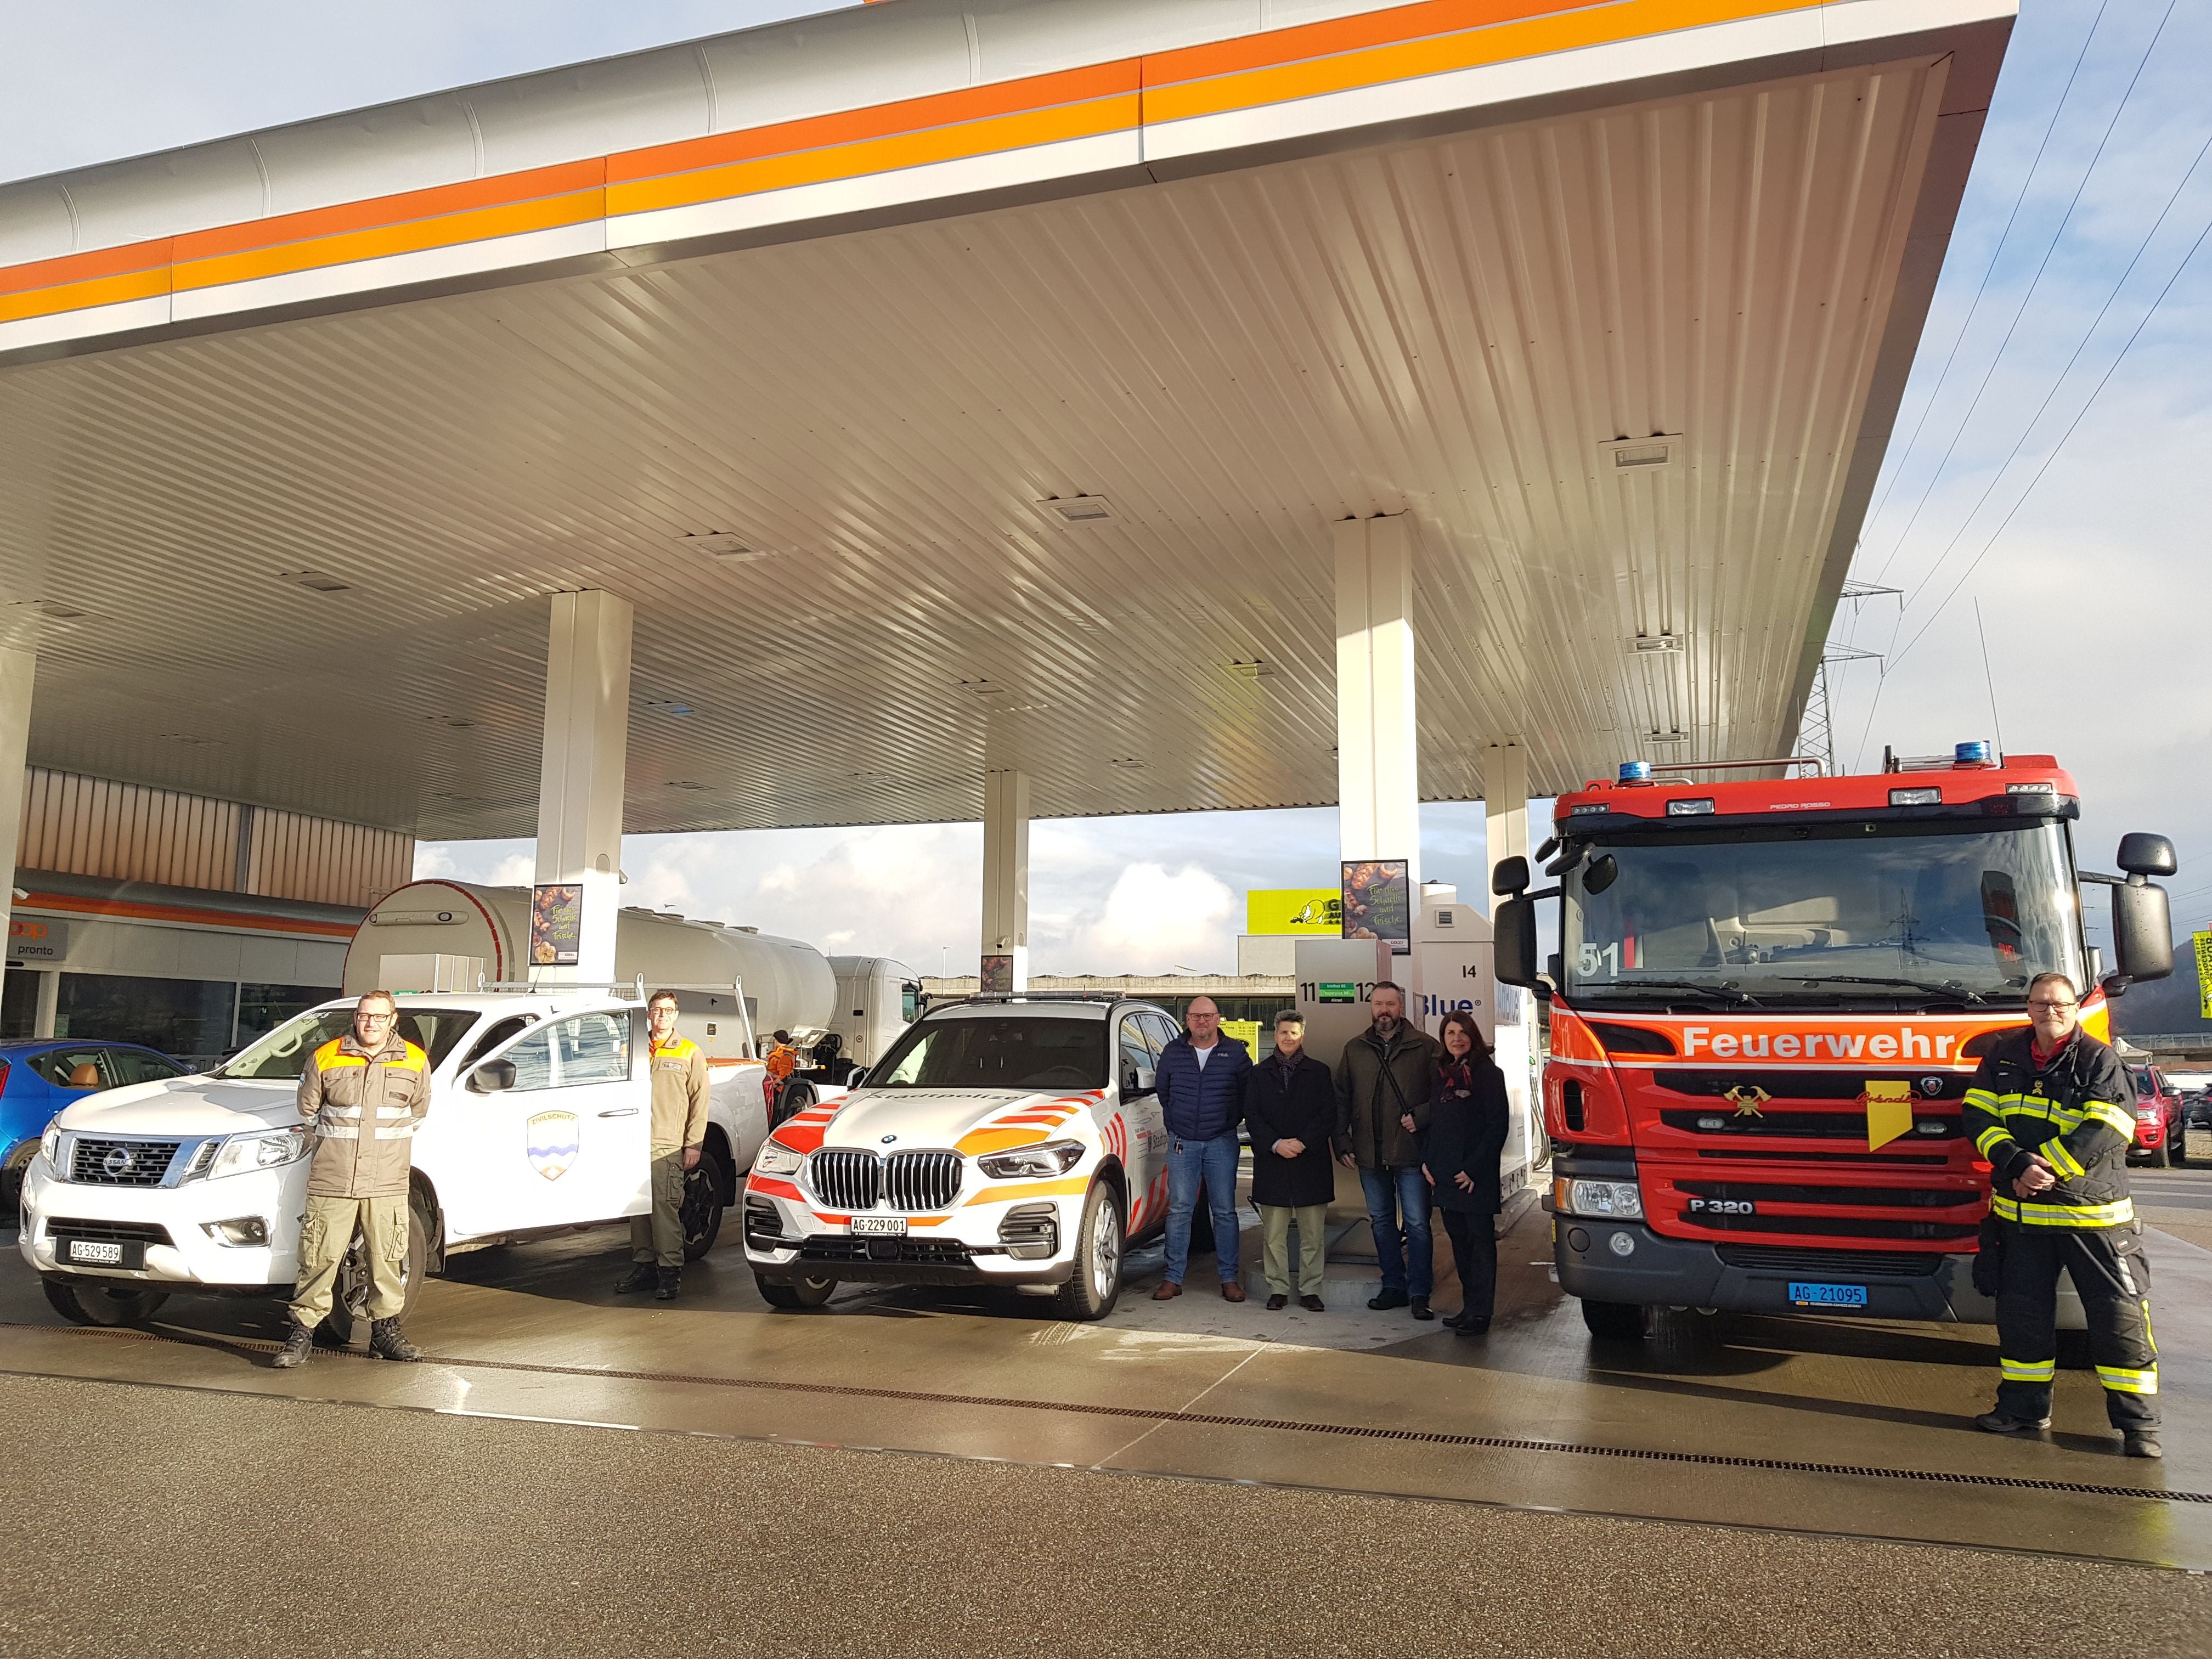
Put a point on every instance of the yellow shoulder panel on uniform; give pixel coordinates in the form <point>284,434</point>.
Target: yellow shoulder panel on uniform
<point>328,1055</point>
<point>414,1057</point>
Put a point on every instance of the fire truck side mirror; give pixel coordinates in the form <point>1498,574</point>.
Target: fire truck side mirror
<point>1513,933</point>
<point>1511,876</point>
<point>2142,931</point>
<point>2144,854</point>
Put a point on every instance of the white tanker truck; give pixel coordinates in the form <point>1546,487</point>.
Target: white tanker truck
<point>450,935</point>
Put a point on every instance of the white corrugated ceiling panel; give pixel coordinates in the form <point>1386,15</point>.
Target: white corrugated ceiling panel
<point>1451,328</point>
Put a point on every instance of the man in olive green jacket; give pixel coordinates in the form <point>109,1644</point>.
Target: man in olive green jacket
<point>679,1131</point>
<point>1383,1085</point>
<point>360,1096</point>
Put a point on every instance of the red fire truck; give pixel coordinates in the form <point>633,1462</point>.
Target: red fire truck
<point>1767,1000</point>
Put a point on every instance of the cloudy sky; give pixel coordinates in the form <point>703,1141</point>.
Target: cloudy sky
<point>2050,465</point>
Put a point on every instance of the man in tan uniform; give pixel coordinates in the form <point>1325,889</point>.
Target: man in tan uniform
<point>362,1097</point>
<point>679,1129</point>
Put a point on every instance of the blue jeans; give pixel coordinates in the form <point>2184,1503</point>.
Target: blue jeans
<point>1214,1162</point>
<point>1390,1192</point>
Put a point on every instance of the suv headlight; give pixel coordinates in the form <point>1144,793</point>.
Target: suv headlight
<point>777,1160</point>
<point>50,1147</point>
<point>267,1150</point>
<point>1054,1157</point>
<point>1617,1199</point>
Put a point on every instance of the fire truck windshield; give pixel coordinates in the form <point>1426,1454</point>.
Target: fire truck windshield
<point>1836,914</point>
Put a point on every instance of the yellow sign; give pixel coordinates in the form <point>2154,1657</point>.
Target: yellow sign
<point>1246,1032</point>
<point>2203,944</point>
<point>1316,910</point>
<point>1889,1112</point>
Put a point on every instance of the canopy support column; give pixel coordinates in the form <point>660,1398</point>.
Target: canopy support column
<point>1378,772</point>
<point>1504,805</point>
<point>1005,881</point>
<point>19,669</point>
<point>580,791</point>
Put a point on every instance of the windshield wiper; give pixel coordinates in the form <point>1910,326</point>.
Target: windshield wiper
<point>1725,993</point>
<point>1953,990</point>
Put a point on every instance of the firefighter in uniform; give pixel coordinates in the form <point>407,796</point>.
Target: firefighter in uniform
<point>360,1096</point>
<point>782,1060</point>
<point>2049,1109</point>
<point>679,1129</point>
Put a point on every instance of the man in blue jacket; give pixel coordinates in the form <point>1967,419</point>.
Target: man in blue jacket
<point>1201,1087</point>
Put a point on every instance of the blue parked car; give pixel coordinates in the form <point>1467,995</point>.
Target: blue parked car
<point>38,1076</point>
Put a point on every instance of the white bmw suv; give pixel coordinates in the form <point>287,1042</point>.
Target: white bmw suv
<point>1002,1141</point>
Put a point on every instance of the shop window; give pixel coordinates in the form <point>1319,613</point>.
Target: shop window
<point>19,1003</point>
<point>187,1018</point>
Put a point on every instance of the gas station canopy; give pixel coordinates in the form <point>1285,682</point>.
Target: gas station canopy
<point>952,387</point>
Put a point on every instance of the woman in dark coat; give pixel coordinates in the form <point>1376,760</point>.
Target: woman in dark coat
<point>1289,1107</point>
<point>1467,1120</point>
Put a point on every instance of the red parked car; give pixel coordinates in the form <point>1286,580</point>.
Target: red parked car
<point>2158,1119</point>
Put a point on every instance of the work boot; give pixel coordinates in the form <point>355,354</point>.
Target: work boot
<point>1313,1304</point>
<point>1386,1298</point>
<point>386,1341</point>
<point>1231,1290</point>
<point>1421,1308</point>
<point>667,1282</point>
<point>2139,1443</point>
<point>1998,1422</point>
<point>299,1347</point>
<point>1168,1291</point>
<point>1277,1301</point>
<point>641,1277</point>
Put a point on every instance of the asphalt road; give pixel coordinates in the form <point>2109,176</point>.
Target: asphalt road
<point>148,1519</point>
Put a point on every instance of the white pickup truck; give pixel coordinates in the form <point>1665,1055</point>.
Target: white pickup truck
<point>538,1123</point>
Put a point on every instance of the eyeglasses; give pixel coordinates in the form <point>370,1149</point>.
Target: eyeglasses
<point>375,1019</point>
<point>2049,1008</point>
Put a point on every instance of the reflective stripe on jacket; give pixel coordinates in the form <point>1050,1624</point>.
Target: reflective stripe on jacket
<point>363,1109</point>
<point>680,1096</point>
<point>2075,1114</point>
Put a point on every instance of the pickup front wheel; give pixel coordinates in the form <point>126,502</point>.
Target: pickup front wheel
<point>1617,1322</point>
<point>96,1304</point>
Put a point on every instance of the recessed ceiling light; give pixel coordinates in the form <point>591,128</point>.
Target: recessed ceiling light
<point>193,740</point>
<point>1666,737</point>
<point>660,706</point>
<point>55,611</point>
<point>1079,510</point>
<point>1657,645</point>
<point>687,783</point>
<point>1128,763</point>
<point>983,688</point>
<point>1644,454</point>
<point>720,545</point>
<point>316,580</point>
<point>1253,670</point>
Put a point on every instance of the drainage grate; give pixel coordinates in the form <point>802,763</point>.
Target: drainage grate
<point>1212,1419</point>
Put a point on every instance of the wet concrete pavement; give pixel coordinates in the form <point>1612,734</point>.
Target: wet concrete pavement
<point>1829,1425</point>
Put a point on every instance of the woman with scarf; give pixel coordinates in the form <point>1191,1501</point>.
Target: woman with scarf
<point>1467,1119</point>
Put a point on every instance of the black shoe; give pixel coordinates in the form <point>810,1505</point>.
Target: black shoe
<point>2139,1443</point>
<point>670,1280</point>
<point>386,1341</point>
<point>299,1347</point>
<point>641,1277</point>
<point>1453,1322</point>
<point>1478,1326</point>
<point>1313,1304</point>
<point>1998,1422</point>
<point>1277,1304</point>
<point>1421,1308</point>
<point>1383,1299</point>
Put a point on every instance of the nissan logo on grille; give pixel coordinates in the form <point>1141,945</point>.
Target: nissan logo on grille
<point>118,1161</point>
